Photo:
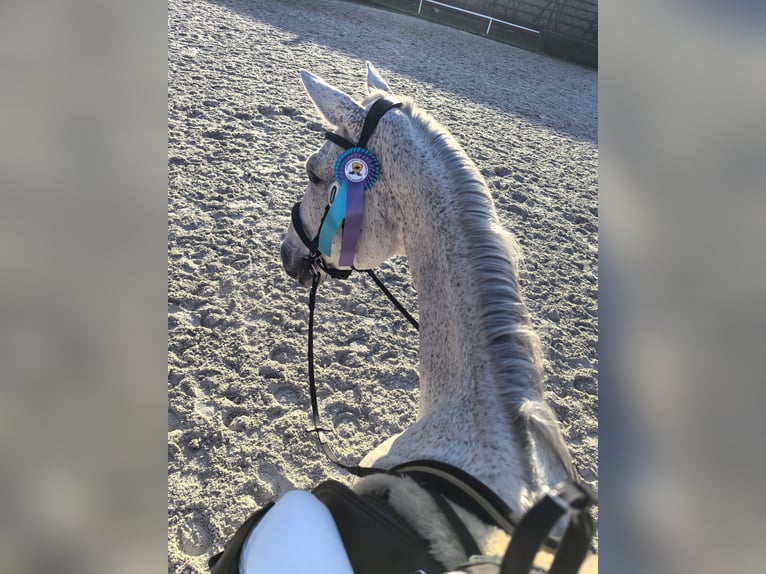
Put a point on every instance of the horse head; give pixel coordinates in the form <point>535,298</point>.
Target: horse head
<point>363,181</point>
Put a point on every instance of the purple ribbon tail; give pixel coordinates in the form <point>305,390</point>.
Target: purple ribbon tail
<point>352,227</point>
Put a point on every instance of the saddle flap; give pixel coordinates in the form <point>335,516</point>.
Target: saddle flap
<point>376,538</point>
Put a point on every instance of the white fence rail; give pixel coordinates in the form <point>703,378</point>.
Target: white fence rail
<point>490,18</point>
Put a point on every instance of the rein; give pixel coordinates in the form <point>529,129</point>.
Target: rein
<point>320,431</point>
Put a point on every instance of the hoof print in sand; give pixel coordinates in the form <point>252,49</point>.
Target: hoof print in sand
<point>286,394</point>
<point>235,419</point>
<point>273,480</point>
<point>269,370</point>
<point>346,423</point>
<point>283,354</point>
<point>193,537</point>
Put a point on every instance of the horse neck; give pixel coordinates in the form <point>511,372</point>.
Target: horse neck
<point>478,349</point>
<point>467,298</point>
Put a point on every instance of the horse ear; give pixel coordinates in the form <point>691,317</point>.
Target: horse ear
<point>374,81</point>
<point>333,104</point>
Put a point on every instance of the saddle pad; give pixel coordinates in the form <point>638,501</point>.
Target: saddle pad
<point>376,538</point>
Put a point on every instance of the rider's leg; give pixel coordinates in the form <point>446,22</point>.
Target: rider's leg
<point>297,535</point>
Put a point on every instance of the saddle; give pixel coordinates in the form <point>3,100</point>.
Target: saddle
<point>379,541</point>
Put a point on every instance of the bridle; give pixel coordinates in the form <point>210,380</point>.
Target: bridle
<point>315,261</point>
<point>439,479</point>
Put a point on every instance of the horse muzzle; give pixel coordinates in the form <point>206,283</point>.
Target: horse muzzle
<point>298,266</point>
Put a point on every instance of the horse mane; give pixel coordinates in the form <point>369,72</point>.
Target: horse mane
<point>510,339</point>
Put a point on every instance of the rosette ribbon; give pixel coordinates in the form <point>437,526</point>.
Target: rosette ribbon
<point>356,170</point>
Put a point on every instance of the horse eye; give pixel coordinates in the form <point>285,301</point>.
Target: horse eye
<point>313,178</point>
<point>333,190</point>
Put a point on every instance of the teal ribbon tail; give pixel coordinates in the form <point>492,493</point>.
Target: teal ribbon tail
<point>332,221</point>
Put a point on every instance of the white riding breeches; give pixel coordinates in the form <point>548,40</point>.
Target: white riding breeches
<point>297,535</point>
